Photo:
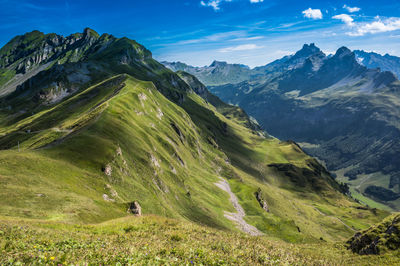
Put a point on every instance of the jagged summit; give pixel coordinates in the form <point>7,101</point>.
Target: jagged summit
<point>66,63</point>
<point>307,50</point>
<point>344,51</point>
<point>90,32</point>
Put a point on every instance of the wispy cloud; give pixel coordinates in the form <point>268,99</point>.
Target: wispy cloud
<point>345,18</point>
<point>351,9</point>
<point>377,26</point>
<point>247,39</point>
<point>242,47</point>
<point>216,37</point>
<point>215,4</point>
<point>312,13</point>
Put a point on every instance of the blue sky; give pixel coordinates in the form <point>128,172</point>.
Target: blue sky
<point>252,32</point>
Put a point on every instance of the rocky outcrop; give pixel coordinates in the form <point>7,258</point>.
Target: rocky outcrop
<point>261,201</point>
<point>134,208</point>
<point>377,239</point>
<point>107,170</point>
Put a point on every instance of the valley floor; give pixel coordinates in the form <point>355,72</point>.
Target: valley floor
<point>152,240</point>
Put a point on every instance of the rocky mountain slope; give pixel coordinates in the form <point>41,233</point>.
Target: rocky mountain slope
<point>103,128</point>
<point>374,60</point>
<point>338,110</point>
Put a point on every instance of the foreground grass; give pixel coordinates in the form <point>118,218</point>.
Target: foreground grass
<point>154,240</point>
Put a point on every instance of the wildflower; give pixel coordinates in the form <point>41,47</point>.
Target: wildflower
<point>52,258</point>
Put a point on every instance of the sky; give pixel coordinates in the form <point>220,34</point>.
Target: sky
<point>251,32</point>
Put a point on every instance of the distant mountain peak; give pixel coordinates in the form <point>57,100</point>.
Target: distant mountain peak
<point>216,63</point>
<point>344,51</point>
<point>307,50</point>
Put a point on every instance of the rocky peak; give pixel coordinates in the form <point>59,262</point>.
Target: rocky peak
<point>216,63</point>
<point>343,52</point>
<point>344,58</point>
<point>88,33</point>
<point>307,50</point>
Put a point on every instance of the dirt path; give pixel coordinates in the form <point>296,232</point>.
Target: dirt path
<point>334,217</point>
<point>239,215</point>
<point>365,179</point>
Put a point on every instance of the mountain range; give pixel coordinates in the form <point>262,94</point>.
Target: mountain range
<point>341,111</point>
<point>220,73</point>
<point>217,73</point>
<point>95,133</point>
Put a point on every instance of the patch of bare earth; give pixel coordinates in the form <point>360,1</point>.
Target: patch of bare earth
<point>237,217</point>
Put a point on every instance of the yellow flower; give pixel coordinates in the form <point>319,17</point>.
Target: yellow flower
<point>34,246</point>
<point>52,258</point>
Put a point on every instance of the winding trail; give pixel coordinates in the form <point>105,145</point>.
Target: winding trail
<point>334,217</point>
<point>239,215</point>
<point>365,179</point>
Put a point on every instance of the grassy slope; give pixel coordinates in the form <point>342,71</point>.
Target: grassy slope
<point>152,240</point>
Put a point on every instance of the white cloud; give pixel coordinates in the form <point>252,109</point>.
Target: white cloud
<point>351,9</point>
<point>377,26</point>
<point>312,13</point>
<point>215,4</point>
<point>243,47</point>
<point>363,28</point>
<point>345,18</point>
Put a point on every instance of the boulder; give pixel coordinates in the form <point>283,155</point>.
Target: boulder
<point>134,208</point>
